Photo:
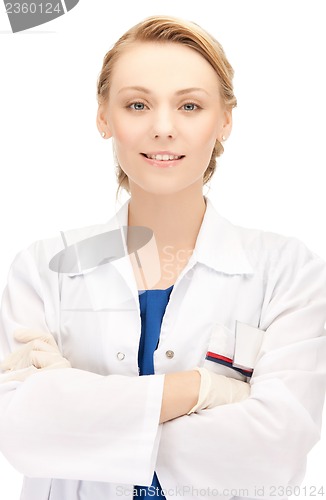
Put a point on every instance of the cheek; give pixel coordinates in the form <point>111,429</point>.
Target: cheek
<point>124,134</point>
<point>124,137</point>
<point>205,133</point>
<point>205,140</point>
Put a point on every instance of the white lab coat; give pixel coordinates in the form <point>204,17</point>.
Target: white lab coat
<point>92,431</point>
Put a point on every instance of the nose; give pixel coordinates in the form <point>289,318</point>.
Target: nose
<point>163,124</point>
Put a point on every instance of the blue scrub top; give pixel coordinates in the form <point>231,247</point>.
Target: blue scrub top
<point>152,308</point>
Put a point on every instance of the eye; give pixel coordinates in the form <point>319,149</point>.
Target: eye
<point>137,106</point>
<point>190,106</point>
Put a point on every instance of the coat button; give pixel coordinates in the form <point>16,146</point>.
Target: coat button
<point>169,354</point>
<point>120,356</point>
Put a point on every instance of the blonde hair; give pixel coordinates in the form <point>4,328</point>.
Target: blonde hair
<point>171,29</point>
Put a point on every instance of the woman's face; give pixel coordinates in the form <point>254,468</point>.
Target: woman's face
<point>164,101</point>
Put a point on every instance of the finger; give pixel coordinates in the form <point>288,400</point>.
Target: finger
<point>42,359</point>
<point>28,334</point>
<point>25,335</point>
<point>61,363</point>
<point>46,360</point>
<point>21,358</point>
<point>12,360</point>
<point>20,375</point>
<point>41,345</point>
<point>6,363</point>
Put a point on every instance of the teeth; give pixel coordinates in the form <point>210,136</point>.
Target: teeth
<point>163,157</point>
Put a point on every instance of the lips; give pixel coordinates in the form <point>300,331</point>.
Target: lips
<point>162,156</point>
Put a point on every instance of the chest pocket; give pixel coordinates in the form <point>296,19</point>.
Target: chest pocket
<point>234,353</point>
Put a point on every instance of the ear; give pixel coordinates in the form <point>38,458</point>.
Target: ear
<point>102,121</point>
<point>226,124</point>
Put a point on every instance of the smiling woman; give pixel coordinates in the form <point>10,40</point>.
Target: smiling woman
<point>161,122</point>
<point>144,54</point>
<point>155,366</point>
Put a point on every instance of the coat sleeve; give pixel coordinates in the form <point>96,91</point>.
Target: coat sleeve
<point>70,423</point>
<point>263,442</point>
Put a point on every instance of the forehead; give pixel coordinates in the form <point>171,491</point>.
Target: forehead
<point>167,65</point>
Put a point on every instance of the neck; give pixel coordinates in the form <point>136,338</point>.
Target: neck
<point>175,218</point>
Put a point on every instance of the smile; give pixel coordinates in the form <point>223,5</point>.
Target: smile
<point>162,157</point>
<point>164,161</point>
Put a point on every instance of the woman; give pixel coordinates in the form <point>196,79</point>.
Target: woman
<point>224,324</point>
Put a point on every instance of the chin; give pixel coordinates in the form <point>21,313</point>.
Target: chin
<point>161,189</point>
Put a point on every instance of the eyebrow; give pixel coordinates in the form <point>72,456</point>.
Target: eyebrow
<point>179,92</point>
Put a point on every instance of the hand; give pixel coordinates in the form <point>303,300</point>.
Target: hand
<point>40,352</point>
<point>216,389</point>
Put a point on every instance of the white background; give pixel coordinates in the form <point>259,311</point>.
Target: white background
<point>57,172</point>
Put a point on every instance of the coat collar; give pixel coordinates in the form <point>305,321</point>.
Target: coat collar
<point>218,243</point>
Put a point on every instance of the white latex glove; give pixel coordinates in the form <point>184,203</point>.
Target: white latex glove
<point>216,389</point>
<point>39,352</point>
